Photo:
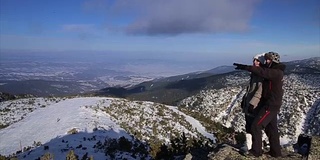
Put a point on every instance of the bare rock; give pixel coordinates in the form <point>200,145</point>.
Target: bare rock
<point>227,152</point>
<point>314,153</point>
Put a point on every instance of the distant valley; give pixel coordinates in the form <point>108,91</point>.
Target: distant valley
<point>62,74</point>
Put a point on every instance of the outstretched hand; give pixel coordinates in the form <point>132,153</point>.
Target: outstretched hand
<point>240,66</point>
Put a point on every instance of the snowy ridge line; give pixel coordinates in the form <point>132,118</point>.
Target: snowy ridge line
<point>312,118</point>
<point>20,108</point>
<point>51,126</point>
<point>195,123</point>
<point>233,102</point>
<point>55,121</point>
<point>225,115</point>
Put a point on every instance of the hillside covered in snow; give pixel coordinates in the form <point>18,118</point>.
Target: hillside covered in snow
<point>85,124</point>
<point>300,111</point>
<point>155,118</point>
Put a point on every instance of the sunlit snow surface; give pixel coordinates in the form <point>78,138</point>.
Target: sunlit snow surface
<point>50,125</point>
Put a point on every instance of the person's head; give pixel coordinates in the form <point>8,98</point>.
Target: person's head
<point>272,57</point>
<point>258,60</point>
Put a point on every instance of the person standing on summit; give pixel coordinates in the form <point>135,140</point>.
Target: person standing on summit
<point>251,99</point>
<point>271,102</point>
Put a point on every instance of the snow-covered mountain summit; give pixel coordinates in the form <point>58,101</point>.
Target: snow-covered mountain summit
<point>81,124</point>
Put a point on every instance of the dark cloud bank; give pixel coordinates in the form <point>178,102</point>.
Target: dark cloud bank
<point>173,17</point>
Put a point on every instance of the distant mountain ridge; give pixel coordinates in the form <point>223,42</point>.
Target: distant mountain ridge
<point>311,65</point>
<point>171,90</point>
<point>220,70</point>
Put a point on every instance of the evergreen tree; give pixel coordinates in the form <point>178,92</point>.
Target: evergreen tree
<point>47,156</point>
<point>72,156</point>
<point>164,153</point>
<point>124,144</point>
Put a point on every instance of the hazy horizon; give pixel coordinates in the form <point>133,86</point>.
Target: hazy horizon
<point>183,64</point>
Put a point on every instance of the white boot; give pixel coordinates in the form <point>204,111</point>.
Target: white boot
<point>248,141</point>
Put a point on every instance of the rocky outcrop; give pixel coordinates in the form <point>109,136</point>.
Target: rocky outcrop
<point>314,153</point>
<point>228,152</point>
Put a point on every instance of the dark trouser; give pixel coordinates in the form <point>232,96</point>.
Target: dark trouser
<point>249,120</point>
<point>266,120</point>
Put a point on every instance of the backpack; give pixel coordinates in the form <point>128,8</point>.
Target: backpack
<point>303,144</point>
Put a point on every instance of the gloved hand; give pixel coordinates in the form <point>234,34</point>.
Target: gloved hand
<point>240,66</point>
<point>251,108</point>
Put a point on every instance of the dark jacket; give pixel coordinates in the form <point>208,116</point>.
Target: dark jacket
<point>272,91</point>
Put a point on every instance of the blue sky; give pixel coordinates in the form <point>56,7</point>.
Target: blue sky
<point>220,31</point>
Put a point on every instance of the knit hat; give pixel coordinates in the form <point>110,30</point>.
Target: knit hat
<point>260,58</point>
